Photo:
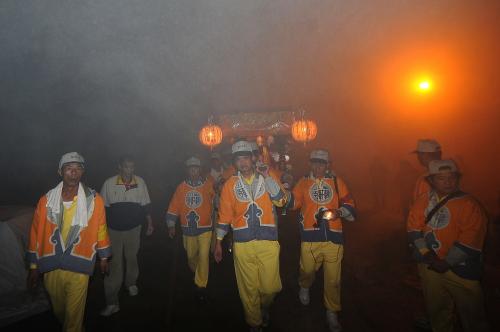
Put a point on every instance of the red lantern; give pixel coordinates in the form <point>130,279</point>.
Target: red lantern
<point>304,130</point>
<point>210,135</point>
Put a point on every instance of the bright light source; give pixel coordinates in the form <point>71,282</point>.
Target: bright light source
<point>425,85</point>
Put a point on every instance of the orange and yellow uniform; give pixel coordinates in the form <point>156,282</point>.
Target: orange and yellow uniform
<point>322,240</point>
<point>66,254</point>
<point>247,206</point>
<point>49,251</point>
<point>192,204</point>
<point>313,195</point>
<point>456,233</point>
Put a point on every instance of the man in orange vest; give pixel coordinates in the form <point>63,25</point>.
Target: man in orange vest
<point>192,205</point>
<point>67,234</point>
<point>447,229</point>
<point>247,206</point>
<point>426,151</point>
<point>324,202</point>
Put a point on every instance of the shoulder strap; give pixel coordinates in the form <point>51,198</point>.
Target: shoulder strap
<point>441,204</point>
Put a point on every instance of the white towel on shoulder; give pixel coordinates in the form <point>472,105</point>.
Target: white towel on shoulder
<point>54,197</point>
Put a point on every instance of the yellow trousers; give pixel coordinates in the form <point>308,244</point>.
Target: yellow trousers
<point>444,292</point>
<point>328,254</point>
<point>68,294</point>
<point>256,264</point>
<point>198,251</point>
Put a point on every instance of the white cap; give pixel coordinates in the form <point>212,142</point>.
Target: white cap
<point>254,145</point>
<point>193,161</point>
<point>427,145</point>
<point>320,155</point>
<point>241,147</point>
<point>71,157</point>
<point>442,166</point>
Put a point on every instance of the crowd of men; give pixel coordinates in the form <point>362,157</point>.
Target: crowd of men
<point>73,225</point>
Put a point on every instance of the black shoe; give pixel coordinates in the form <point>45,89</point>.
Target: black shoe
<point>265,317</point>
<point>201,295</point>
<point>422,323</point>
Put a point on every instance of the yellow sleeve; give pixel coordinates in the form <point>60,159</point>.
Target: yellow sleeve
<point>102,233</point>
<point>103,242</point>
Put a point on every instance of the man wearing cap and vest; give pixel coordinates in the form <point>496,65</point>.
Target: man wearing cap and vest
<point>447,228</point>
<point>324,202</point>
<point>192,204</point>
<point>68,230</point>
<point>128,205</point>
<point>427,150</point>
<point>247,206</point>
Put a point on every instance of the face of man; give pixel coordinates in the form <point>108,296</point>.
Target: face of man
<point>425,158</point>
<point>127,169</point>
<point>244,163</point>
<point>194,172</point>
<point>318,168</point>
<point>445,183</point>
<point>71,174</point>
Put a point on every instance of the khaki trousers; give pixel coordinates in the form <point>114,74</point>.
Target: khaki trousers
<point>124,245</point>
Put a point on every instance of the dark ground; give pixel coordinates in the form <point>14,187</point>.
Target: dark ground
<point>380,288</point>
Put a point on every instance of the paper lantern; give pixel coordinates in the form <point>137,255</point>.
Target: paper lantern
<point>304,130</point>
<point>210,135</point>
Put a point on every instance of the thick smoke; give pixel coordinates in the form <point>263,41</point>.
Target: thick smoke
<point>141,77</point>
